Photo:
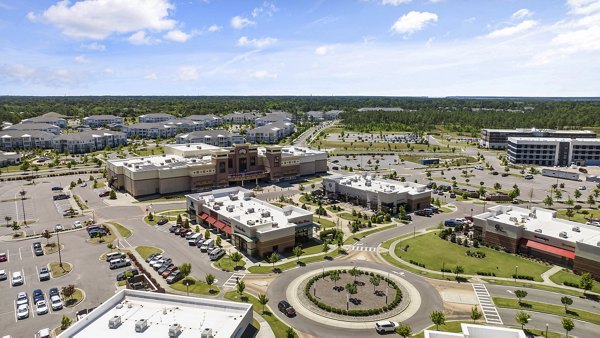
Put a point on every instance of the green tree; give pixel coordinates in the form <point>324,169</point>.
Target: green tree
<point>113,195</point>
<point>590,200</point>
<point>577,194</point>
<point>110,246</point>
<point>236,257</point>
<point>570,213</point>
<point>325,247</point>
<point>179,220</point>
<point>548,201</point>
<point>297,251</point>
<point>458,270</point>
<point>68,291</point>
<point>65,322</point>
<point>7,219</point>
<point>263,300</point>
<point>522,318</point>
<point>566,301</point>
<point>185,269</point>
<point>475,314</point>
<point>218,241</point>
<point>209,279</point>
<point>437,318</point>
<point>206,234</point>
<point>354,272</point>
<point>273,258</point>
<point>375,280</point>
<point>47,235</point>
<point>520,294</point>
<point>404,330</point>
<point>586,282</point>
<point>290,333</point>
<point>568,325</point>
<point>240,287</point>
<point>335,277</point>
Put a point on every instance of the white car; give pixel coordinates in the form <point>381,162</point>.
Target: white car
<point>56,303</point>
<point>3,275</point>
<point>155,259</point>
<point>22,299</point>
<point>77,224</point>
<point>43,333</point>
<point>17,278</point>
<point>385,326</point>
<point>41,307</point>
<point>58,227</point>
<point>83,184</point>
<point>23,311</point>
<point>583,187</point>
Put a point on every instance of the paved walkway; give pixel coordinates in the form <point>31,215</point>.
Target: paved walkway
<point>265,329</point>
<point>546,275</point>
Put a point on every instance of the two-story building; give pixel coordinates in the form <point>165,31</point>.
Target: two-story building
<point>96,121</point>
<point>219,138</point>
<point>88,141</point>
<point>156,117</point>
<point>270,133</point>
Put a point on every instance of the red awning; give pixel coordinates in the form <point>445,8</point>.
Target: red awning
<point>550,249</point>
<point>227,229</point>
<point>203,215</point>
<point>210,220</point>
<point>219,225</point>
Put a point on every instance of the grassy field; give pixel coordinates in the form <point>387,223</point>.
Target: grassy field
<point>310,248</point>
<point>535,286</point>
<point>199,287</point>
<point>578,217</point>
<point>325,223</point>
<point>151,222</point>
<point>56,271</point>
<point>450,255</point>
<point>565,276</point>
<point>268,268</point>
<point>558,310</point>
<point>146,251</point>
<point>172,214</point>
<point>226,264</point>
<point>411,268</point>
<point>52,248</point>
<point>357,236</point>
<point>76,298</point>
<point>279,328</point>
<point>123,231</point>
<point>389,242</point>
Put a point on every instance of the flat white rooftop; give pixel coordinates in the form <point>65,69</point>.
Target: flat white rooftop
<point>543,219</point>
<point>478,331</point>
<point>161,310</point>
<point>160,162</point>
<point>368,183</point>
<point>191,147</point>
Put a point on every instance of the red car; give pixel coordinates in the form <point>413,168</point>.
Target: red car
<point>167,272</point>
<point>104,194</point>
<point>3,257</point>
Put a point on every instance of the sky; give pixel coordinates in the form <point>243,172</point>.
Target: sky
<point>300,47</point>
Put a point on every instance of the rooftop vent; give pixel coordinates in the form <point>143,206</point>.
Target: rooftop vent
<point>217,207</point>
<point>175,330</point>
<point>233,197</point>
<point>230,208</point>
<point>250,222</point>
<point>250,210</point>
<point>275,225</point>
<point>265,213</point>
<point>207,333</point>
<point>114,322</point>
<point>563,234</point>
<point>141,325</point>
<point>576,229</point>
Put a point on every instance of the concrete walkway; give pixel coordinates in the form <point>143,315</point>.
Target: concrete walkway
<point>265,329</point>
<point>546,275</point>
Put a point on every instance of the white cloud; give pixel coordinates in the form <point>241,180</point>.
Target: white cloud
<point>522,13</point>
<point>108,72</point>
<point>394,2</point>
<point>51,77</point>
<point>256,43</point>
<point>583,7</point>
<point>94,46</point>
<point>16,72</point>
<point>263,74</point>
<point>98,19</point>
<point>413,22</point>
<point>82,59</point>
<point>140,38</point>
<point>512,30</point>
<point>188,73</point>
<point>239,22</point>
<point>267,8</point>
<point>214,28</point>
<point>177,36</point>
<point>151,76</point>
<point>324,50</point>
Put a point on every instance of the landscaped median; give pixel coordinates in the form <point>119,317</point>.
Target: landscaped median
<point>534,286</point>
<point>123,231</point>
<point>279,328</point>
<point>226,264</point>
<point>146,251</point>
<point>558,310</point>
<point>359,235</point>
<point>57,271</point>
<point>196,287</point>
<point>570,279</point>
<point>268,268</point>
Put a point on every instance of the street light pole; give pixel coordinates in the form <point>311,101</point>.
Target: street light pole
<point>546,330</point>
<point>23,192</point>
<point>516,273</point>
<point>59,255</point>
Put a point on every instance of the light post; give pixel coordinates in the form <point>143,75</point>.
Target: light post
<point>471,212</point>
<point>484,202</point>
<point>23,192</point>
<point>443,266</point>
<point>516,273</point>
<point>58,240</point>
<point>546,330</point>
<point>414,231</point>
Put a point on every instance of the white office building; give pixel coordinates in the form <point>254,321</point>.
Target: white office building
<point>498,138</point>
<point>553,151</point>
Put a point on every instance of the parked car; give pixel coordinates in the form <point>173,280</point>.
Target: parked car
<point>452,222</point>
<point>83,184</point>
<point>583,170</point>
<point>3,257</point>
<point>57,188</point>
<point>77,224</point>
<point>406,218</point>
<point>60,197</point>
<point>162,221</point>
<point>528,177</point>
<point>335,168</point>
<point>58,227</point>
<point>44,274</point>
<point>23,311</point>
<point>161,262</point>
<point>119,263</point>
<point>56,303</point>
<point>53,292</point>
<point>168,271</point>
<point>174,277</point>
<point>3,275</point>
<point>17,278</point>
<point>104,194</point>
<point>69,212</point>
<point>583,187</point>
<point>164,268</point>
<point>41,308</point>
<point>286,308</point>
<point>43,333</point>
<point>504,175</point>
<point>183,232</point>
<point>452,195</point>
<point>173,229</point>
<point>37,295</point>
<point>155,259</point>
<point>121,275</point>
<point>151,256</point>
<point>22,298</point>
<point>494,173</point>
<point>385,326</point>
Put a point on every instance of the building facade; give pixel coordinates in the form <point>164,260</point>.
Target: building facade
<point>275,117</point>
<point>378,194</point>
<point>95,121</point>
<point>88,141</point>
<point>153,118</point>
<point>49,128</point>
<point>150,130</point>
<point>9,158</point>
<point>256,227</point>
<point>49,119</point>
<point>218,138</point>
<point>553,151</point>
<point>240,118</point>
<point>270,133</point>
<point>538,233</point>
<point>209,120</point>
<point>498,138</point>
<point>16,139</point>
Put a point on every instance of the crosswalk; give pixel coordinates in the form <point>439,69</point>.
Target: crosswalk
<point>232,281</point>
<point>490,313</point>
<point>361,247</point>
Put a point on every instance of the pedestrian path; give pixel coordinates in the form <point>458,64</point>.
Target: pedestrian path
<point>360,247</point>
<point>490,313</point>
<point>232,281</point>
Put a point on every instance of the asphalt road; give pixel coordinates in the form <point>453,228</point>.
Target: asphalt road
<point>539,321</point>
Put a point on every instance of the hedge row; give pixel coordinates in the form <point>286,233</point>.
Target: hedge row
<point>522,277</point>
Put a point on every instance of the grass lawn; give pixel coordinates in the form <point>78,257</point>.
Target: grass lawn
<point>268,268</point>
<point>565,276</point>
<point>305,201</point>
<point>103,240</point>
<point>163,199</point>
<point>76,298</point>
<point>310,247</point>
<point>558,310</point>
<point>226,264</point>
<point>451,255</point>
<point>121,283</point>
<point>535,286</point>
<point>173,213</point>
<point>151,222</point>
<point>279,328</point>
<point>146,251</point>
<point>100,184</point>
<point>52,248</point>
<point>199,287</point>
<point>578,217</point>
<point>330,209</point>
<point>389,242</point>
<point>325,223</point>
<point>411,268</point>
<point>123,231</point>
<point>56,271</point>
<point>357,236</point>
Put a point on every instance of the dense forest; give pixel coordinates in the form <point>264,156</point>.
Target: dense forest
<point>420,114</point>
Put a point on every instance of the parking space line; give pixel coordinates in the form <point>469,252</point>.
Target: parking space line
<point>32,253</point>
<point>37,272</point>
<point>10,276</point>
<point>20,255</point>
<point>7,255</point>
<point>23,275</point>
<point>15,307</point>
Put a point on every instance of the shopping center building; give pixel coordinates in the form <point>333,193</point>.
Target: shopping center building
<point>254,226</point>
<point>538,233</point>
<point>200,167</point>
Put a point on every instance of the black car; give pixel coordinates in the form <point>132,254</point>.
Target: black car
<point>407,218</point>
<point>60,197</point>
<point>53,292</point>
<point>162,221</point>
<point>57,188</point>
<point>494,173</point>
<point>504,174</point>
<point>286,308</point>
<point>121,275</point>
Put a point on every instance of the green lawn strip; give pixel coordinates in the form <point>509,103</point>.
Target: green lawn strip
<point>305,201</point>
<point>100,184</point>
<point>104,239</point>
<point>123,231</point>
<point>534,286</point>
<point>277,204</point>
<point>279,328</point>
<point>310,247</point>
<point>268,268</point>
<point>173,213</point>
<point>151,222</point>
<point>357,236</point>
<point>199,287</point>
<point>558,310</point>
<point>565,276</point>
<point>103,256</point>
<point>334,211</point>
<point>146,251</point>
<point>444,209</point>
<point>163,199</point>
<point>411,268</point>
<point>578,217</point>
<point>80,202</point>
<point>57,271</point>
<point>389,242</point>
<point>75,298</point>
<point>226,264</point>
<point>325,223</point>
<point>449,255</point>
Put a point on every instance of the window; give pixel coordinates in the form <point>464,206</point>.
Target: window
<point>222,167</point>
<point>276,161</point>
<point>253,160</point>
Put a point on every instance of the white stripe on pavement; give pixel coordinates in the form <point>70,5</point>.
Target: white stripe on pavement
<point>490,313</point>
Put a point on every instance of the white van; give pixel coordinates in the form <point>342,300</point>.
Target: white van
<point>119,263</point>
<point>207,245</point>
<point>216,254</point>
<point>115,255</point>
<point>193,238</point>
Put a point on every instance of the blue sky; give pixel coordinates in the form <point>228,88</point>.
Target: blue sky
<point>300,47</point>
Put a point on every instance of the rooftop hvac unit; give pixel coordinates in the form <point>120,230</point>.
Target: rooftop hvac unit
<point>250,210</point>
<point>265,213</point>
<point>246,197</point>
<point>230,208</point>
<point>233,197</point>
<point>175,330</point>
<point>114,322</point>
<point>563,234</point>
<point>206,333</point>
<point>367,183</point>
<point>217,207</point>
<point>141,325</point>
<point>275,225</point>
<point>219,203</point>
<point>250,222</point>
<point>513,219</point>
<point>576,229</point>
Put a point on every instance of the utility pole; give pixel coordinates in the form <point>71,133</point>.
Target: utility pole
<point>23,192</point>
<point>59,255</point>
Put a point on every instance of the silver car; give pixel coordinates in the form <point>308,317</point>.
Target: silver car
<point>23,311</point>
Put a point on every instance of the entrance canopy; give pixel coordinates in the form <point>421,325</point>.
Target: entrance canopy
<point>550,249</point>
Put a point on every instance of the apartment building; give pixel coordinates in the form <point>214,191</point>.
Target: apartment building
<point>498,138</point>
<point>270,133</point>
<point>537,232</point>
<point>49,118</point>
<point>153,118</point>
<point>95,121</point>
<point>275,117</point>
<point>49,128</point>
<point>553,151</point>
<point>150,130</point>
<point>185,125</point>
<point>209,120</point>
<point>240,118</point>
<point>219,138</point>
<point>376,193</point>
<point>9,158</point>
<point>26,139</point>
<point>88,141</point>
<point>200,167</point>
